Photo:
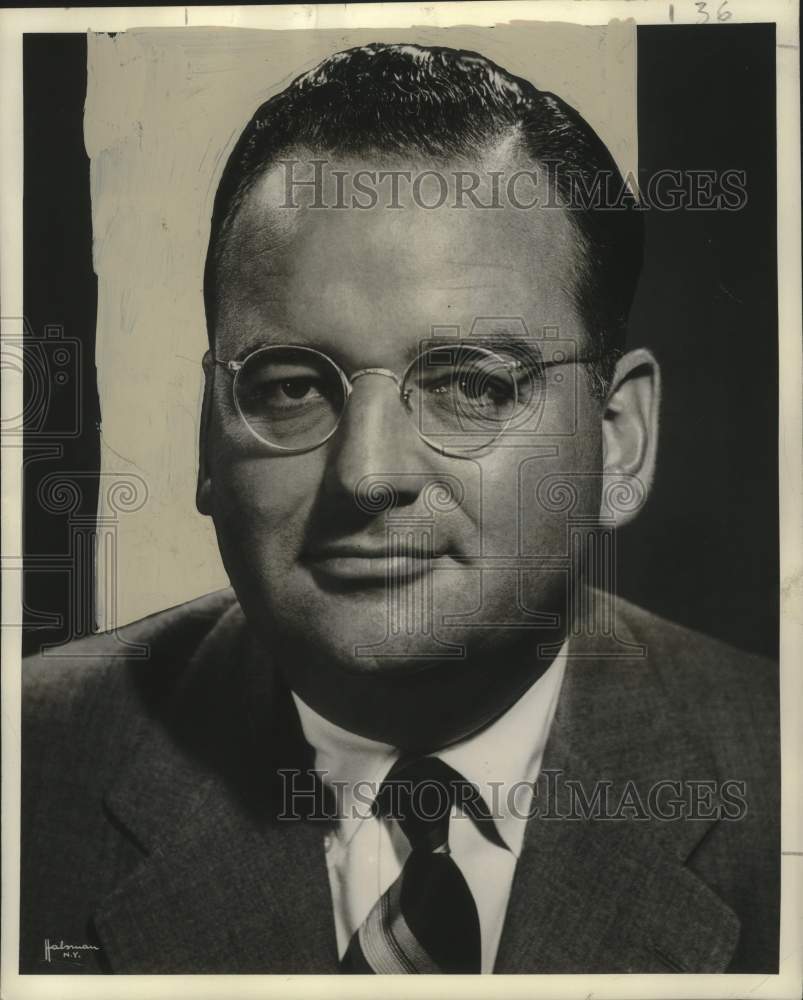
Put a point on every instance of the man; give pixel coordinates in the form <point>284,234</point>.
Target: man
<point>423,737</point>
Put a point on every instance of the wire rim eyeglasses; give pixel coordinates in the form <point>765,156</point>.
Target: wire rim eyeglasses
<point>460,396</point>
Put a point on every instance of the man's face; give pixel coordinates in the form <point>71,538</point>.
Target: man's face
<point>371,632</point>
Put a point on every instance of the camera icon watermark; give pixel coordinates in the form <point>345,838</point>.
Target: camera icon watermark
<point>50,366</point>
<point>502,379</point>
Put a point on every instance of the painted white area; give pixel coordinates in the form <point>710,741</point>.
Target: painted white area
<point>163,109</point>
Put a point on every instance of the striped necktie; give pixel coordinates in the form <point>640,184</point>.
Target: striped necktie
<point>427,921</point>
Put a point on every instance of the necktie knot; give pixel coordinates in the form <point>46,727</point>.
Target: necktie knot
<point>419,793</point>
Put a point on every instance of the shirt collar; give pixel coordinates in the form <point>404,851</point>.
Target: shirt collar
<point>498,760</point>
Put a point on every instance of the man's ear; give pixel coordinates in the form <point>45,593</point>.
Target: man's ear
<point>203,491</point>
<point>630,435</point>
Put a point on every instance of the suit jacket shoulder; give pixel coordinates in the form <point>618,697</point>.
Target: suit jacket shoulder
<point>86,707</point>
<point>713,715</point>
<point>727,698</point>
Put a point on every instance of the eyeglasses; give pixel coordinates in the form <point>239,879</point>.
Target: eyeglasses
<point>460,397</point>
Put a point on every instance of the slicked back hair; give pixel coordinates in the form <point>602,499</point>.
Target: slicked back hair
<point>446,104</point>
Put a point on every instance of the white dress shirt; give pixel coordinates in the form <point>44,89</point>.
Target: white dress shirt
<point>365,855</point>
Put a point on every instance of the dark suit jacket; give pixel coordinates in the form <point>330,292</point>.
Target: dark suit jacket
<point>150,798</point>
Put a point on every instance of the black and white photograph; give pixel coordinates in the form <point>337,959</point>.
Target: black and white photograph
<point>402,520</point>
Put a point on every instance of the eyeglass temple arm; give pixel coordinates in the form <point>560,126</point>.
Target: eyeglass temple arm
<point>229,366</point>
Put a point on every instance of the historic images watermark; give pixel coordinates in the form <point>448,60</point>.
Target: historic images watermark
<point>553,796</point>
<point>321,184</point>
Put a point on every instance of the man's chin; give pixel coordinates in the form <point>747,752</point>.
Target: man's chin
<point>366,627</point>
<point>373,650</point>
<point>414,696</point>
<point>362,630</point>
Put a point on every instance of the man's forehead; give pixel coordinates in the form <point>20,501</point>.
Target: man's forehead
<point>307,206</point>
<point>337,275</point>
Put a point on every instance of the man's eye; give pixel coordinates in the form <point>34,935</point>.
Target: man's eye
<point>296,388</point>
<point>478,388</point>
<point>442,388</point>
<point>287,392</point>
<point>284,393</point>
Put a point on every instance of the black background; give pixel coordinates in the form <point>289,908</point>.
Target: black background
<point>60,288</point>
<point>705,550</point>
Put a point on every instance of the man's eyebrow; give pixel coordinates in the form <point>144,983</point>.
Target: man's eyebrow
<point>535,350</point>
<point>264,341</point>
<point>524,348</point>
<point>504,337</point>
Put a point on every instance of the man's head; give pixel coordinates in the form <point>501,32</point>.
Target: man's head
<point>419,621</point>
<point>389,103</point>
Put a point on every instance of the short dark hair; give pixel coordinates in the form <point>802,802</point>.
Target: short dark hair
<point>445,104</point>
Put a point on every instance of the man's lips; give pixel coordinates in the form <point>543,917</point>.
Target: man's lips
<point>371,562</point>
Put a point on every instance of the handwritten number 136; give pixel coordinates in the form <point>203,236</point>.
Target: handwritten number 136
<point>723,14</point>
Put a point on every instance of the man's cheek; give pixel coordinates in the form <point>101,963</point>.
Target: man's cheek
<point>261,489</point>
<point>259,517</point>
<point>530,495</point>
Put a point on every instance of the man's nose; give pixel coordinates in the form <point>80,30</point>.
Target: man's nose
<point>377,442</point>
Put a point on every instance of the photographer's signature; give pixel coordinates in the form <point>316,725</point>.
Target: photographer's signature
<point>73,952</point>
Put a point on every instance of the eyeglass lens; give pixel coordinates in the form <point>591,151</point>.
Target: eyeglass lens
<point>290,397</point>
<point>459,397</point>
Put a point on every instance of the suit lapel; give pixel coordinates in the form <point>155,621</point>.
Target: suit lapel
<point>224,883</point>
<point>587,897</point>
<point>220,895</point>
<point>614,895</point>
